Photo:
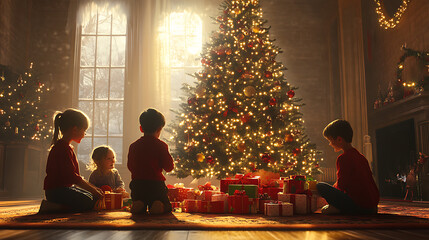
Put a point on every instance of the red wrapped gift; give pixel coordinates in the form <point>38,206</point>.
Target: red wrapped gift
<point>239,203</point>
<point>113,200</point>
<point>178,194</point>
<point>278,209</point>
<point>262,204</point>
<point>271,191</point>
<point>254,205</point>
<point>249,179</point>
<point>299,201</point>
<point>224,183</point>
<point>211,207</point>
<point>222,197</point>
<point>295,184</point>
<point>192,206</point>
<point>206,195</point>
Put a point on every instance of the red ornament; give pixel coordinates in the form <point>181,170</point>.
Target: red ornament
<point>241,147</point>
<point>273,101</point>
<point>268,74</point>
<point>222,26</point>
<point>266,158</point>
<point>290,93</point>
<point>210,160</point>
<point>192,100</point>
<point>316,166</point>
<point>289,138</point>
<point>296,151</point>
<point>203,61</point>
<point>37,127</point>
<point>246,118</point>
<point>250,45</point>
<point>240,36</point>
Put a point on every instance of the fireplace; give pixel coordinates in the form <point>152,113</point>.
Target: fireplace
<point>401,131</point>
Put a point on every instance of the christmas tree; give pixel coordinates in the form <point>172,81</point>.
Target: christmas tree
<point>22,115</point>
<point>242,115</point>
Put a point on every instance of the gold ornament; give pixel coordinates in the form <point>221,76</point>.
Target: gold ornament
<point>210,102</point>
<point>256,29</point>
<point>249,91</point>
<point>200,157</point>
<point>241,147</point>
<point>7,124</point>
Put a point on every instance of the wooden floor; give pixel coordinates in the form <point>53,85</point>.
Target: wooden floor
<point>212,235</point>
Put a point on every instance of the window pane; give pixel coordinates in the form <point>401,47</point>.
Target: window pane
<point>118,51</point>
<point>177,23</point>
<point>100,118</point>
<point>104,23</point>
<point>177,80</point>
<point>116,145</point>
<point>116,119</point>
<point>119,25</point>
<point>177,51</point>
<point>90,27</point>
<point>102,83</point>
<point>87,108</point>
<point>194,25</point>
<point>103,51</point>
<point>84,150</point>
<point>86,83</point>
<point>117,77</point>
<point>87,51</point>
<point>98,141</point>
<point>193,47</point>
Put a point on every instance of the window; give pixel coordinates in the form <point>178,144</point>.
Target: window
<point>181,37</point>
<point>101,81</point>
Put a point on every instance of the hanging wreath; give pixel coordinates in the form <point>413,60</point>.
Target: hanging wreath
<point>390,23</point>
<point>422,57</point>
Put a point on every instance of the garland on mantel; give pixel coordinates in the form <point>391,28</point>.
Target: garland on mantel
<point>392,22</point>
<point>402,89</point>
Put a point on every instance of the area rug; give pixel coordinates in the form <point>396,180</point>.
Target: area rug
<point>391,215</point>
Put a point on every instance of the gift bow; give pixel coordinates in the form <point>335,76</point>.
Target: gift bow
<point>207,186</point>
<point>243,178</point>
<point>239,192</point>
<point>271,183</point>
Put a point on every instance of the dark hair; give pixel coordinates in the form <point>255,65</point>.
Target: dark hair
<point>98,154</point>
<point>339,128</point>
<point>63,121</point>
<point>151,120</point>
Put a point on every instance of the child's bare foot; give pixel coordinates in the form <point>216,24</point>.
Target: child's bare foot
<point>138,207</point>
<point>156,208</point>
<point>330,210</point>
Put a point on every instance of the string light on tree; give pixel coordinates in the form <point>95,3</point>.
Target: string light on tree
<point>242,115</point>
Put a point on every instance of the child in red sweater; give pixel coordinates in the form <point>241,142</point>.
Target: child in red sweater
<point>147,157</point>
<point>65,189</point>
<point>355,191</point>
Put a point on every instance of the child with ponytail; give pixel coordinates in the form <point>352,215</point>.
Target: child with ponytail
<point>65,189</point>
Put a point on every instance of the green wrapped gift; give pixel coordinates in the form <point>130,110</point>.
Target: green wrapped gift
<point>251,190</point>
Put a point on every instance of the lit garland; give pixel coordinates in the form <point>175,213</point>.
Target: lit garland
<point>22,116</point>
<point>390,23</point>
<point>242,115</point>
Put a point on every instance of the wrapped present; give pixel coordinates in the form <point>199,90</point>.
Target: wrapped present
<point>238,203</point>
<point>211,206</point>
<point>178,194</point>
<point>278,209</point>
<point>192,206</point>
<point>312,185</point>
<point>224,183</point>
<point>207,186</point>
<point>127,202</point>
<point>311,203</point>
<point>206,195</point>
<point>299,201</point>
<point>251,190</point>
<point>193,194</point>
<point>113,200</point>
<point>221,197</point>
<point>295,184</point>
<point>262,204</point>
<point>271,191</point>
<point>253,205</point>
<point>248,179</point>
<point>267,178</point>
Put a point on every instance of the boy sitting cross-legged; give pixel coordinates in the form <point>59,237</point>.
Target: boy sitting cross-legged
<point>355,191</point>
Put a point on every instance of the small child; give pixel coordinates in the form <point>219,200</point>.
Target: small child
<point>147,157</point>
<point>62,168</point>
<point>104,171</point>
<point>355,191</point>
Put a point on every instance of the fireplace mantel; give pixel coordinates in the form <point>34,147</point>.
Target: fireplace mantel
<point>415,107</point>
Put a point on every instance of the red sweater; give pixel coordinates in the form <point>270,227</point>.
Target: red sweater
<point>354,177</point>
<point>62,168</point>
<point>147,157</point>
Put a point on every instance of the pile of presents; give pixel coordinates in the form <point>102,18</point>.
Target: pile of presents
<point>247,194</point>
